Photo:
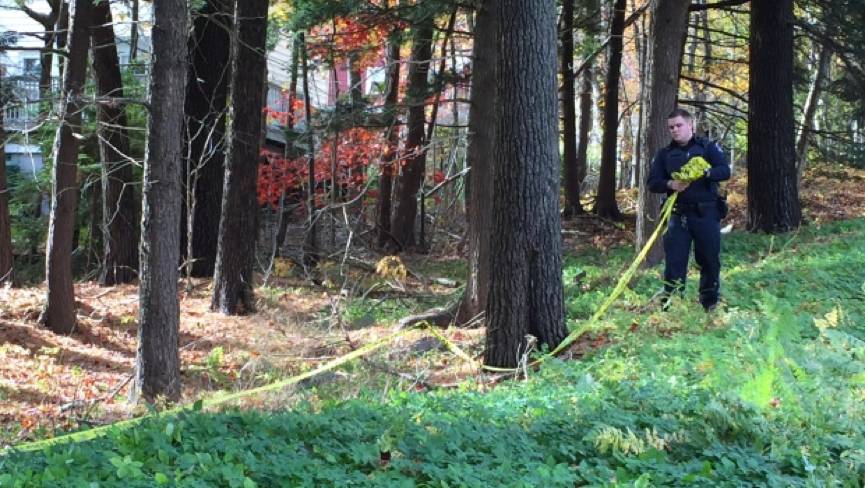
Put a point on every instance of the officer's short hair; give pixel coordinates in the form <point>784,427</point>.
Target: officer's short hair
<point>680,112</point>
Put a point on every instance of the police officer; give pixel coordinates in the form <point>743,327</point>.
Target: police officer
<point>697,215</point>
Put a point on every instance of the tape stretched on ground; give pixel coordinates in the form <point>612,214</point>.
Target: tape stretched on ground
<point>665,213</point>
<point>90,434</point>
<point>573,336</point>
<point>626,277</point>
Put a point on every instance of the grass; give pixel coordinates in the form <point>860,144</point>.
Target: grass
<point>767,391</point>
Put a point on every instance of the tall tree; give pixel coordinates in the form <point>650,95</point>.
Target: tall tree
<point>232,281</point>
<point>525,294</point>
<point>59,312</point>
<point>824,59</point>
<point>205,109</point>
<point>569,112</point>
<point>480,157</point>
<point>667,28</point>
<point>605,203</point>
<point>592,27</point>
<point>5,223</point>
<point>390,160</point>
<point>157,364</point>
<point>773,191</point>
<point>120,225</point>
<point>411,176</point>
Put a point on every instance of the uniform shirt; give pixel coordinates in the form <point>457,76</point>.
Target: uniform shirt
<point>670,159</point>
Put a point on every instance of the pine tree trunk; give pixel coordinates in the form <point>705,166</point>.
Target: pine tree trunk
<point>62,29</point>
<point>310,245</point>
<point>235,258</point>
<point>569,113</point>
<point>590,9</point>
<point>157,365</point>
<point>5,222</point>
<point>586,103</point>
<point>389,162</point>
<point>120,224</point>
<point>823,61</point>
<point>525,294</point>
<point>641,44</point>
<point>667,27</point>
<point>206,97</point>
<point>480,158</point>
<point>59,312</point>
<point>773,192</point>
<point>291,150</point>
<point>411,176</point>
<point>605,203</point>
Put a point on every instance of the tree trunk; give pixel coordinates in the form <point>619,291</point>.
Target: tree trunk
<point>525,294</point>
<point>383,212</point>
<point>480,154</point>
<point>641,46</point>
<point>569,113</point>
<point>291,150</point>
<point>667,27</point>
<point>133,33</point>
<point>823,60</point>
<point>62,36</point>
<point>235,258</point>
<point>157,365</point>
<point>310,251</point>
<point>586,94</point>
<point>605,203</point>
<point>206,96</point>
<point>120,224</point>
<point>411,177</point>
<point>773,193</point>
<point>5,222</point>
<point>59,312</point>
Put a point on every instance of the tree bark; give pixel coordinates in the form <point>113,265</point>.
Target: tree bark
<point>641,46</point>
<point>586,94</point>
<point>390,160</point>
<point>5,222</point>
<point>120,225</point>
<point>157,365</point>
<point>235,258</point>
<point>773,192</point>
<point>133,32</point>
<point>410,179</point>
<point>310,251</point>
<point>569,113</point>
<point>480,156</point>
<point>62,28</point>
<point>605,203</point>
<point>59,312</point>
<point>525,294</point>
<point>823,61</point>
<point>667,27</point>
<point>206,97</point>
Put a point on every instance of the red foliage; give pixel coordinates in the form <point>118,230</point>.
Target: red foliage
<point>363,36</point>
<point>355,149</point>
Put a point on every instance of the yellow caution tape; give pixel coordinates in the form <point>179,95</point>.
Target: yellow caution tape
<point>93,433</point>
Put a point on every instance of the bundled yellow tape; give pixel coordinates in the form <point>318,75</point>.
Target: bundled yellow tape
<point>693,170</point>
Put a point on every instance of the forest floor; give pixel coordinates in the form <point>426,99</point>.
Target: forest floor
<point>51,383</point>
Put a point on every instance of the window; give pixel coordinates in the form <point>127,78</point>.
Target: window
<point>31,65</point>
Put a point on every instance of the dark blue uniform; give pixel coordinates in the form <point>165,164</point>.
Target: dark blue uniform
<point>696,217</point>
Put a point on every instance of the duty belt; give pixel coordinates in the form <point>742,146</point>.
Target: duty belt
<point>699,208</point>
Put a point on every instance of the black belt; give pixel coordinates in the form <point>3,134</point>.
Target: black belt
<point>699,208</point>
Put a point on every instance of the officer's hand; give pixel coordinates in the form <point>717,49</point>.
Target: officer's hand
<point>677,185</point>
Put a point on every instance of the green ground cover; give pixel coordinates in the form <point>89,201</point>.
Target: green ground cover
<point>767,391</point>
